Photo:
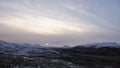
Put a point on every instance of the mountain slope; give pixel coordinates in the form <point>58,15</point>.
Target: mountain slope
<point>107,48</point>
<point>89,55</point>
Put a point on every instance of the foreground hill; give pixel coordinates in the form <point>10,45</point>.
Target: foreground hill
<point>98,55</point>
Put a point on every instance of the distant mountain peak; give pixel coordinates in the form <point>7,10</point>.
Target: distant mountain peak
<point>104,44</point>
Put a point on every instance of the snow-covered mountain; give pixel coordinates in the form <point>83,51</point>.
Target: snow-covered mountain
<point>37,50</point>
<point>100,45</point>
<point>97,53</point>
<point>25,49</point>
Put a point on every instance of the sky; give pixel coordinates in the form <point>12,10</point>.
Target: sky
<point>60,22</point>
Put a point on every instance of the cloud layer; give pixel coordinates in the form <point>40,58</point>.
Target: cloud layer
<point>59,22</point>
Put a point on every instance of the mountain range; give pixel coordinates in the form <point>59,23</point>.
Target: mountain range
<point>87,54</point>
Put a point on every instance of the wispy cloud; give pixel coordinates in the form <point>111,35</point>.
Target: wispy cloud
<point>60,20</point>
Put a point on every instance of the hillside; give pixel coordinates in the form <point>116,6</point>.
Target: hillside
<point>98,55</point>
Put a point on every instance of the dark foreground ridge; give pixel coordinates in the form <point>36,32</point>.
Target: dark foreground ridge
<point>99,55</point>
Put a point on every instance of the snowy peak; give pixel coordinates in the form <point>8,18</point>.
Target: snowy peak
<point>3,43</point>
<point>25,49</point>
<point>104,44</point>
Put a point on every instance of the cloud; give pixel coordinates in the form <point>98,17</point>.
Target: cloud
<point>59,22</point>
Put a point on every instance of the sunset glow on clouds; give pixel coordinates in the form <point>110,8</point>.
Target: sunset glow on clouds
<point>59,22</point>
